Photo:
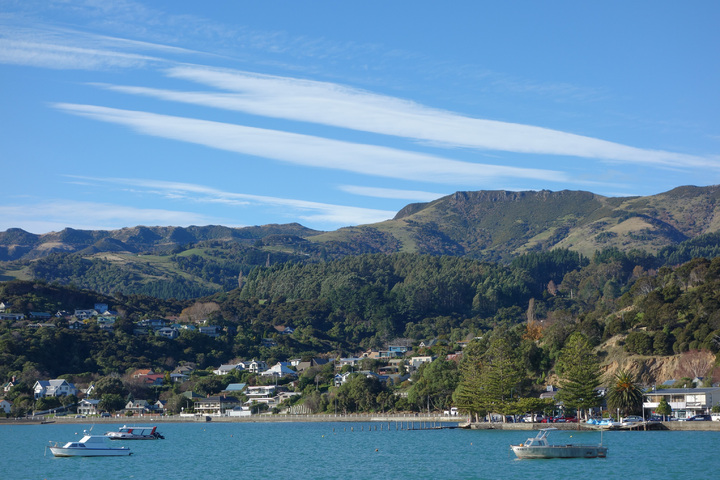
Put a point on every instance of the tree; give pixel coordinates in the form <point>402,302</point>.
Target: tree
<point>579,371</point>
<point>108,385</point>
<point>435,384</point>
<point>625,394</point>
<point>111,402</point>
<point>500,376</point>
<point>663,408</point>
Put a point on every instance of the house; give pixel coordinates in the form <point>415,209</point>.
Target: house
<point>550,392</point>
<point>5,405</point>
<point>2,306</point>
<point>101,307</point>
<point>454,357</point>
<point>314,362</point>
<point>154,379</point>
<point>40,315</point>
<point>138,406</point>
<point>217,405</point>
<point>349,362</point>
<point>342,378</point>
<point>154,323</point>
<point>399,349</point>
<point>168,332</point>
<point>185,369</point>
<point>268,342</point>
<point>255,366</point>
<point>239,411</point>
<point>228,368</point>
<point>159,406</point>
<point>685,402</point>
<point>179,377</point>
<point>415,362</point>
<point>283,330</point>
<point>261,391</point>
<point>235,387</point>
<point>142,372</point>
<point>88,406</point>
<point>76,325</point>
<point>12,316</point>
<point>210,330</point>
<point>280,369</point>
<point>84,314</point>
<point>6,388</point>
<point>106,321</point>
<point>53,388</point>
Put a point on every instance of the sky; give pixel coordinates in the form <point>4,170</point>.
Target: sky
<point>333,114</point>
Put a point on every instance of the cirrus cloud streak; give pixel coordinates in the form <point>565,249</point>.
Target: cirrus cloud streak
<point>309,150</point>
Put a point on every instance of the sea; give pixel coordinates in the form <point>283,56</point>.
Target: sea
<point>346,450</point>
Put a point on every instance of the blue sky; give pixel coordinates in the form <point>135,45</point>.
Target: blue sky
<point>329,114</point>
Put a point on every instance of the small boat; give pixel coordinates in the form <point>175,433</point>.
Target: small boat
<point>89,446</point>
<point>539,447</point>
<point>135,433</point>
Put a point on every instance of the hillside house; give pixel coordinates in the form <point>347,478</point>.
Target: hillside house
<point>278,370</point>
<point>228,368</point>
<point>53,388</point>
<point>5,405</point>
<point>168,332</point>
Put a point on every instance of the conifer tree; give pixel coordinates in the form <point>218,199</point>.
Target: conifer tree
<point>579,371</point>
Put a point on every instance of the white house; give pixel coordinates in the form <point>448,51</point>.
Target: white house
<point>88,406</point>
<point>260,391</point>
<point>255,366</point>
<point>280,369</point>
<point>685,402</point>
<point>53,388</point>
<point>5,406</point>
<point>84,314</point>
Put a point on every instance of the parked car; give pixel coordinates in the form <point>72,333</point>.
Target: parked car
<point>700,418</point>
<point>632,419</point>
<point>105,415</point>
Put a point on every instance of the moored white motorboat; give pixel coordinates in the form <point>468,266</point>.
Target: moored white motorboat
<point>539,447</point>
<point>89,446</point>
<point>135,433</point>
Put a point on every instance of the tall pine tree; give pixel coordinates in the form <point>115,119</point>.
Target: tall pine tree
<point>579,371</point>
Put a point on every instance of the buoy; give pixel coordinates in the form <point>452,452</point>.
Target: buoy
<point>376,449</point>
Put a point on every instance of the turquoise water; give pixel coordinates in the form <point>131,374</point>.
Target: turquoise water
<point>353,451</point>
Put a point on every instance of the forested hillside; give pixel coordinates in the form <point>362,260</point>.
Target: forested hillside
<point>356,303</point>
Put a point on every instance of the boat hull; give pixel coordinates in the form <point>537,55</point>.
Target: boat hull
<point>89,452</point>
<point>560,451</point>
<point>120,436</point>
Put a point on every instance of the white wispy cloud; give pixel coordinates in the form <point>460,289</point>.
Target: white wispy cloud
<point>315,212</point>
<point>58,48</point>
<point>309,150</point>
<point>53,215</point>
<point>413,195</point>
<point>341,106</point>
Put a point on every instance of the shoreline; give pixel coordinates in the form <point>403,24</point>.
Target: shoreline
<point>410,421</point>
